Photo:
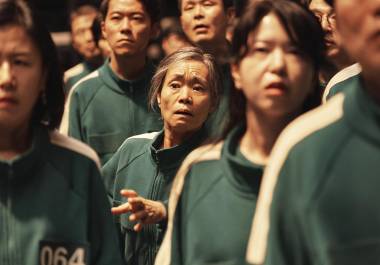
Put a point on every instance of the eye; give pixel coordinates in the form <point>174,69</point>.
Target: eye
<point>138,17</point>
<point>21,62</point>
<point>115,17</point>
<point>293,50</point>
<point>188,7</point>
<point>174,85</point>
<point>260,49</point>
<point>198,88</point>
<point>208,3</point>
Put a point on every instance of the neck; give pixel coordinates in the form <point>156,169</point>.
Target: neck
<point>260,135</point>
<point>128,68</point>
<point>14,142</point>
<point>172,138</point>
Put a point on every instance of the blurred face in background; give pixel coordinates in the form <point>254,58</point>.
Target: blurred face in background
<point>327,18</point>
<point>127,27</point>
<point>273,76</point>
<point>358,25</point>
<point>22,78</point>
<point>204,21</point>
<point>82,38</point>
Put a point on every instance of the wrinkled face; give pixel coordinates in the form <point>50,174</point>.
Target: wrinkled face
<point>326,16</point>
<point>358,24</point>
<point>82,38</point>
<point>273,76</point>
<point>127,27</point>
<point>204,21</point>
<point>21,77</point>
<point>185,98</point>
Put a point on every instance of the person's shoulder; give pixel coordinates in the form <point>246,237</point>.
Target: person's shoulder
<point>73,147</point>
<point>339,80</point>
<point>73,71</point>
<point>137,142</point>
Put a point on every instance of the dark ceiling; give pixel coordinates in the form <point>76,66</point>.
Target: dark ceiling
<point>55,12</point>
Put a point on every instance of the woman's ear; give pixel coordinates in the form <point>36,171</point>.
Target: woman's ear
<point>159,99</point>
<point>236,76</point>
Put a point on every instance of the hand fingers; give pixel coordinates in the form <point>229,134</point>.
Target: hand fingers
<point>124,208</point>
<point>138,227</point>
<point>139,216</point>
<point>137,203</point>
<point>128,193</point>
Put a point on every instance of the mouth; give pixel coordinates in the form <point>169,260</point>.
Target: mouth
<point>183,112</point>
<point>276,88</point>
<point>200,28</point>
<point>7,102</point>
<point>125,41</point>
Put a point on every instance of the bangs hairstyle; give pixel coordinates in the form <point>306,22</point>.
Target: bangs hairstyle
<point>183,55</point>
<point>152,7</point>
<point>50,109</point>
<point>304,31</point>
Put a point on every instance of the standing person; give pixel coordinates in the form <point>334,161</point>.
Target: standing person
<point>110,105</point>
<point>205,25</point>
<point>277,48</point>
<point>139,176</point>
<point>81,20</point>
<point>53,207</point>
<point>321,187</point>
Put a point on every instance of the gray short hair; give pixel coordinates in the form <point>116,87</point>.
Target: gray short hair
<point>186,54</point>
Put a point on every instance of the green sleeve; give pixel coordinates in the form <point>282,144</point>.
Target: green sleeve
<point>109,171</point>
<point>287,239</point>
<point>103,237</point>
<point>75,127</point>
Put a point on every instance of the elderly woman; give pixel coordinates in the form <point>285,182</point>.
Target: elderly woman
<point>185,88</point>
<point>277,48</point>
<point>53,206</point>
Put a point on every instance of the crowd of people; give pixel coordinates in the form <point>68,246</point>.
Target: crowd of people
<point>254,139</point>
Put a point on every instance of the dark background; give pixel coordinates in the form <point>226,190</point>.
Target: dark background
<point>56,12</point>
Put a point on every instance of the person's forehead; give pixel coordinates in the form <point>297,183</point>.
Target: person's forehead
<point>319,5</point>
<point>192,67</point>
<point>219,2</point>
<point>124,6</point>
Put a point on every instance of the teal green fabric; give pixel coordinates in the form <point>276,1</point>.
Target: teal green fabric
<point>325,206</point>
<point>140,164</point>
<point>106,110</point>
<point>72,80</point>
<point>215,211</point>
<point>52,193</point>
<point>340,87</point>
<point>218,119</point>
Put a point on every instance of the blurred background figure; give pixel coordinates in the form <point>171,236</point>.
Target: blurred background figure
<point>81,20</point>
<point>172,36</point>
<point>99,39</point>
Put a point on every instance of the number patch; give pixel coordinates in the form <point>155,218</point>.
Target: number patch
<point>59,253</point>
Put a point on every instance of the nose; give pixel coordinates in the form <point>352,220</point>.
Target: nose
<point>6,77</point>
<point>88,36</point>
<point>185,95</point>
<point>277,62</point>
<point>125,25</point>
<point>198,11</point>
<point>325,24</point>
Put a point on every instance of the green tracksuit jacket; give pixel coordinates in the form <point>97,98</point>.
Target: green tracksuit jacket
<point>104,110</point>
<point>141,165</point>
<point>215,209</point>
<point>325,176</point>
<point>53,206</point>
<point>76,73</point>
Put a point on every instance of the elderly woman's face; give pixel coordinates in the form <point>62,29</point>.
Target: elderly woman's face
<point>274,77</point>
<point>21,76</point>
<point>185,98</point>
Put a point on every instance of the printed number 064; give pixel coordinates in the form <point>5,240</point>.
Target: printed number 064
<point>59,256</point>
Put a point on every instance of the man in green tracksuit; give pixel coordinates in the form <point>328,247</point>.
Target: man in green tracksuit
<point>110,104</point>
<point>53,207</point>
<point>319,197</point>
<point>142,165</point>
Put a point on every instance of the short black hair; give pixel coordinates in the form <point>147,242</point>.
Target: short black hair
<point>226,4</point>
<point>49,111</point>
<point>152,7</point>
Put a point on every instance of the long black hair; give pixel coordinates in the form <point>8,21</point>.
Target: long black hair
<point>49,108</point>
